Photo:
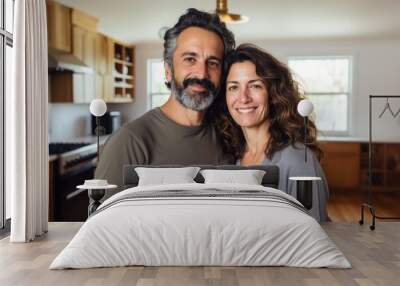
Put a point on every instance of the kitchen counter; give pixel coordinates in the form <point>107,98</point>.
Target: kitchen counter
<point>92,139</point>
<point>354,139</point>
<point>86,139</point>
<point>342,139</point>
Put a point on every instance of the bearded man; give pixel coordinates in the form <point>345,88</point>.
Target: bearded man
<point>175,133</point>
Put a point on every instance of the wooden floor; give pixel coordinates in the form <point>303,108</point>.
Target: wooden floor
<point>344,205</point>
<point>374,255</point>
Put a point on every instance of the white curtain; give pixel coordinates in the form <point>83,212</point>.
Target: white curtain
<point>26,124</point>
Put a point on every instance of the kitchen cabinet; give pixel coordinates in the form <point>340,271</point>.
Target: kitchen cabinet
<point>346,165</point>
<point>58,26</point>
<point>385,166</point>
<point>341,164</point>
<point>102,67</point>
<point>101,57</point>
<point>78,48</point>
<point>121,67</point>
<point>101,86</point>
<point>83,20</point>
<point>84,48</point>
<point>84,38</point>
<point>67,87</point>
<point>89,83</point>
<point>112,62</point>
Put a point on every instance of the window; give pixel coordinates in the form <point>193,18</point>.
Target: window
<point>6,43</point>
<point>327,83</point>
<point>158,92</point>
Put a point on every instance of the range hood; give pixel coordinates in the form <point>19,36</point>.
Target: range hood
<point>59,62</point>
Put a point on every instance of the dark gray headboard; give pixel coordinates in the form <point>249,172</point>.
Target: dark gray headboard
<point>270,179</point>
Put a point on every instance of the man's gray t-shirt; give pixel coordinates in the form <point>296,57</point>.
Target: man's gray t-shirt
<point>155,139</point>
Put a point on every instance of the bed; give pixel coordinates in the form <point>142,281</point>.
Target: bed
<point>201,224</point>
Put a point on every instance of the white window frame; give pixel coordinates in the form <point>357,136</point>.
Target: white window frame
<point>149,82</point>
<point>350,58</point>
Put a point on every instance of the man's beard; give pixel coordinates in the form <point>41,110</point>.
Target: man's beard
<point>198,101</point>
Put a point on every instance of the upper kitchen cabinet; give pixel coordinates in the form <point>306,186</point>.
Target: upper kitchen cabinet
<point>76,82</point>
<point>84,48</point>
<point>84,37</point>
<point>83,20</point>
<point>121,67</point>
<point>92,66</point>
<point>58,26</point>
<point>103,79</point>
<point>101,49</point>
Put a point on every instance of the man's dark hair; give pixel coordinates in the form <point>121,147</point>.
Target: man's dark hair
<point>196,18</point>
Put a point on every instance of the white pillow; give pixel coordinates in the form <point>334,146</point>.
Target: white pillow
<point>162,176</point>
<point>248,177</point>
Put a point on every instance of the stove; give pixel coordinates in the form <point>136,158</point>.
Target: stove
<point>73,156</point>
<point>75,163</point>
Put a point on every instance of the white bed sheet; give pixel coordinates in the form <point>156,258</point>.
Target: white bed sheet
<point>200,231</point>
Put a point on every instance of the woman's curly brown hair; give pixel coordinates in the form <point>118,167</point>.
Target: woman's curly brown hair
<point>286,124</point>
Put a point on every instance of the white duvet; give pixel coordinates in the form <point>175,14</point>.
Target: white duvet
<point>183,231</point>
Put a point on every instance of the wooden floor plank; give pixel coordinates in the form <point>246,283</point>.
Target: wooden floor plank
<point>375,257</point>
<point>345,205</point>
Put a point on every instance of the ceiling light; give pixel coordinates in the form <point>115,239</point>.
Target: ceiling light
<point>224,16</point>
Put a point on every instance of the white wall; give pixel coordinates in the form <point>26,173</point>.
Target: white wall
<point>376,70</point>
<point>69,121</point>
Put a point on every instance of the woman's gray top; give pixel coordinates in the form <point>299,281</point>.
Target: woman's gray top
<point>290,161</point>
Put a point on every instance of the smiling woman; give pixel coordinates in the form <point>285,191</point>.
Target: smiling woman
<point>259,123</point>
<point>260,91</point>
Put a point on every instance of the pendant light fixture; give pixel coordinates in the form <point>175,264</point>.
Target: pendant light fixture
<point>225,16</point>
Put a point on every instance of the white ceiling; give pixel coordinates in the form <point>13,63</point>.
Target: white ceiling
<point>138,21</point>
